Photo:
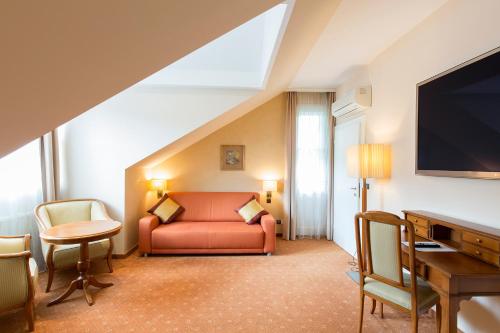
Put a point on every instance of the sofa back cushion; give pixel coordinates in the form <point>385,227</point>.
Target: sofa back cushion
<point>211,206</point>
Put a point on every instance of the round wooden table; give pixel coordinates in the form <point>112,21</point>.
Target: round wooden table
<point>82,233</point>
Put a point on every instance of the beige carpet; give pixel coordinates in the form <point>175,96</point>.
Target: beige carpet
<point>302,288</point>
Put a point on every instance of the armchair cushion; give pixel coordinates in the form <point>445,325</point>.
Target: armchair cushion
<point>33,271</point>
<point>14,277</point>
<point>426,297</point>
<point>71,211</point>
<point>67,255</point>
<point>12,245</point>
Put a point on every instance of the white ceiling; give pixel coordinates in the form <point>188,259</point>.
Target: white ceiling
<point>240,58</point>
<point>355,35</point>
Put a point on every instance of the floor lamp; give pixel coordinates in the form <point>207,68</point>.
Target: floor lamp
<point>368,161</point>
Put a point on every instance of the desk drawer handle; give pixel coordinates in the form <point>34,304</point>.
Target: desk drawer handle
<point>478,252</point>
<point>479,240</point>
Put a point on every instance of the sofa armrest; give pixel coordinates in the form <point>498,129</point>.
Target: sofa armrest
<point>146,226</point>
<point>268,224</point>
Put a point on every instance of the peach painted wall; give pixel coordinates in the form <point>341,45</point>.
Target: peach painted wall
<point>197,168</point>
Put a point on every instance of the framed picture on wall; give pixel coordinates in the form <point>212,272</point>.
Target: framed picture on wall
<point>232,157</point>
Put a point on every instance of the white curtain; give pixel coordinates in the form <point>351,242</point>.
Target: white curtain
<point>20,192</point>
<point>312,181</point>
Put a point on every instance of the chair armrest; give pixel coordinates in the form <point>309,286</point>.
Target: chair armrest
<point>268,224</point>
<point>146,226</point>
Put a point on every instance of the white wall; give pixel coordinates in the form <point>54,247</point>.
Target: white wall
<point>102,143</point>
<point>459,31</point>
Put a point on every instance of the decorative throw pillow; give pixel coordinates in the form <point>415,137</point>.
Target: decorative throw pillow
<point>251,211</point>
<point>166,209</point>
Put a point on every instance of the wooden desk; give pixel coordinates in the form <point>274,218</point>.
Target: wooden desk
<point>454,275</point>
<point>81,233</point>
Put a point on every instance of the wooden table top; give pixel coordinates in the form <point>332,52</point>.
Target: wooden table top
<point>452,263</point>
<point>81,231</point>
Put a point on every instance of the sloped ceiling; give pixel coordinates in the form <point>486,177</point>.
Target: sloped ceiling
<point>358,32</point>
<point>60,58</point>
<point>307,22</point>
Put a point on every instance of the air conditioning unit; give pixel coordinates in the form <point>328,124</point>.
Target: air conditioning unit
<point>353,101</point>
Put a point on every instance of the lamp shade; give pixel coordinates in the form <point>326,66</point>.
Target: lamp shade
<point>269,185</point>
<point>369,161</point>
<point>158,184</point>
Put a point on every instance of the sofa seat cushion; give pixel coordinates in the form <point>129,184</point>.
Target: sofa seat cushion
<point>208,235</point>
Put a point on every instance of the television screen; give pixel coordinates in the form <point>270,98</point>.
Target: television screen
<point>458,120</point>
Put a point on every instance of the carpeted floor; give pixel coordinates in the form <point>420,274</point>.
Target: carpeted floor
<point>302,288</point>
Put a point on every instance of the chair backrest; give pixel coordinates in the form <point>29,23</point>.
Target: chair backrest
<point>15,281</point>
<point>379,249</point>
<point>54,213</point>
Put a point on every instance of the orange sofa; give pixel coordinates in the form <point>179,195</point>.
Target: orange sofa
<point>209,224</point>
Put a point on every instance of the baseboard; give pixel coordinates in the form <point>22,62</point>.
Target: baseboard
<point>123,256</point>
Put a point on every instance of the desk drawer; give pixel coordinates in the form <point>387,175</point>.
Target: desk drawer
<point>421,231</point>
<point>481,241</point>
<point>418,221</point>
<point>482,254</point>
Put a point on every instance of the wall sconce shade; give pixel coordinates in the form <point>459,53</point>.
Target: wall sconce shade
<point>269,186</point>
<point>369,161</point>
<point>158,185</point>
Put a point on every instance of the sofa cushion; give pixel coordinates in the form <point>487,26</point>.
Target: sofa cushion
<point>207,235</point>
<point>166,209</point>
<point>211,206</point>
<point>251,211</point>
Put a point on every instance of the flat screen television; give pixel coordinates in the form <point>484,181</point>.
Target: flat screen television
<point>458,120</point>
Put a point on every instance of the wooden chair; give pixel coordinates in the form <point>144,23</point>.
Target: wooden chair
<point>18,275</point>
<point>53,213</point>
<point>382,277</point>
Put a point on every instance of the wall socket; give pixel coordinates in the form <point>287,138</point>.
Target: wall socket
<point>278,221</point>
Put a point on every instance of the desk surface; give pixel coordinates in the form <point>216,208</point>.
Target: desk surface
<point>452,263</point>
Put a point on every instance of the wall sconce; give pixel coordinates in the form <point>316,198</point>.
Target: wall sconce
<point>158,185</point>
<point>269,186</point>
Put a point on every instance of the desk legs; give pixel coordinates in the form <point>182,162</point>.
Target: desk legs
<point>83,281</point>
<point>449,313</point>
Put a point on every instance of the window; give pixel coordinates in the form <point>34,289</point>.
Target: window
<point>312,161</point>
<point>20,192</point>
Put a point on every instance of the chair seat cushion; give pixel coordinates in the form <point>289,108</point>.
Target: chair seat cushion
<point>208,235</point>
<point>67,255</point>
<point>426,297</point>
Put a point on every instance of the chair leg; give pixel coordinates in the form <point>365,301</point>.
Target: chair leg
<point>361,310</point>
<point>414,321</point>
<point>30,315</point>
<point>374,306</point>
<point>438,317</point>
<point>381,310</point>
<point>110,256</point>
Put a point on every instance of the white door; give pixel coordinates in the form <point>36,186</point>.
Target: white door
<point>346,201</point>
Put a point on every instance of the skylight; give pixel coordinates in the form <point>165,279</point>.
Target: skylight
<point>240,58</point>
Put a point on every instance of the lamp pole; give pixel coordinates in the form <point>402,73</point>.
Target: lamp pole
<point>363,196</point>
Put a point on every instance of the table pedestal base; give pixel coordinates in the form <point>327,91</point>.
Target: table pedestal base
<point>84,280</point>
